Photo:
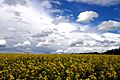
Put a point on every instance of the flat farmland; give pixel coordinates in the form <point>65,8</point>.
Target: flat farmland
<point>59,67</point>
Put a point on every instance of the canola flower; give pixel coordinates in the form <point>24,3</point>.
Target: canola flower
<point>59,67</point>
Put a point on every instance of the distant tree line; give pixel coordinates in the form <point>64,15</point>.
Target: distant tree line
<point>111,52</point>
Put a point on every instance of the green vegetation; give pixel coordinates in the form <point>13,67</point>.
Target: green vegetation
<point>59,67</point>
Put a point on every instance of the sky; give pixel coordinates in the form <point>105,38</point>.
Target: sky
<point>59,26</point>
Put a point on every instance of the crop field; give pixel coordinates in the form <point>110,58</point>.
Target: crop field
<point>59,67</point>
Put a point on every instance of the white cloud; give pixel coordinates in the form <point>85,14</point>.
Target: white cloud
<point>2,42</point>
<point>27,43</point>
<point>113,47</point>
<point>43,44</point>
<point>24,44</point>
<point>111,35</point>
<point>96,36</point>
<point>109,25</point>
<point>60,19</point>
<point>98,2</point>
<point>66,27</point>
<point>17,45</point>
<point>84,28</point>
<point>46,4</point>
<point>44,33</point>
<point>76,43</point>
<point>59,51</point>
<point>87,16</point>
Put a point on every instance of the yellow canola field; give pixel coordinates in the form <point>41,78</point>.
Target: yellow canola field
<point>59,67</point>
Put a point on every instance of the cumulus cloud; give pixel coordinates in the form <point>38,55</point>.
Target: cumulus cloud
<point>60,19</point>
<point>93,40</point>
<point>87,16</point>
<point>86,39</point>
<point>17,45</point>
<point>85,28</point>
<point>27,43</point>
<point>109,25</point>
<point>113,47</point>
<point>76,43</point>
<point>24,44</point>
<point>43,44</point>
<point>2,42</point>
<point>111,35</point>
<point>98,2</point>
<point>43,33</point>
<point>46,4</point>
<point>96,36</point>
<point>26,19</point>
<point>60,51</point>
<point>66,27</point>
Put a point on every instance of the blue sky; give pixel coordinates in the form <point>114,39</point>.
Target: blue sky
<point>59,26</point>
<point>74,8</point>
